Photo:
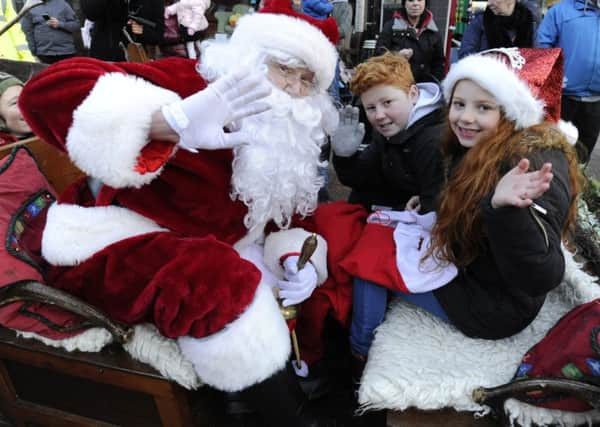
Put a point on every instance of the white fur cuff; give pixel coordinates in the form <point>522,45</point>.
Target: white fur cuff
<point>247,351</point>
<point>283,242</point>
<point>74,233</point>
<point>106,137</point>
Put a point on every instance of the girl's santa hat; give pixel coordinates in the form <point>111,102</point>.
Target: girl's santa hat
<point>278,27</point>
<point>527,84</point>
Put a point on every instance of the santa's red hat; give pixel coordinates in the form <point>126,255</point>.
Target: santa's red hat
<point>277,26</point>
<point>527,83</point>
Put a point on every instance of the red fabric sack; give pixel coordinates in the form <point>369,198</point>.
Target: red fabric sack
<point>373,258</point>
<point>25,196</point>
<point>571,350</point>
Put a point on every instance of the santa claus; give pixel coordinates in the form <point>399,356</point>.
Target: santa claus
<point>169,225</point>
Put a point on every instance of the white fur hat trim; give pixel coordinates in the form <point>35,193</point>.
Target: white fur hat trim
<point>511,93</point>
<point>292,36</point>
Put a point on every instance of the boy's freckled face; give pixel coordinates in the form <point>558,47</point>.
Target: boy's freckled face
<point>388,107</point>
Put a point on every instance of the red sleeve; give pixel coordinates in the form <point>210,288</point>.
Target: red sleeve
<point>50,98</point>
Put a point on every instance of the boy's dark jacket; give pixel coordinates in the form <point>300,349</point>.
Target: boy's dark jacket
<point>389,172</point>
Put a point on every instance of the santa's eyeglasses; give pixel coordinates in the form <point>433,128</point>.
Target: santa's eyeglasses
<point>286,78</point>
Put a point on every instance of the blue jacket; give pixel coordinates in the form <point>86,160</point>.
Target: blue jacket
<point>574,26</point>
<point>474,39</point>
<point>319,9</point>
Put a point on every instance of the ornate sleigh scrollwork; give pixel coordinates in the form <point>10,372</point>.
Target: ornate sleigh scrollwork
<point>31,291</point>
<point>495,397</point>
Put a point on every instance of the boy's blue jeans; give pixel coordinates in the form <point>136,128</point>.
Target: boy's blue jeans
<point>369,303</point>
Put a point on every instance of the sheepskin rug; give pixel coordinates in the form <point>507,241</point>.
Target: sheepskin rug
<point>419,361</point>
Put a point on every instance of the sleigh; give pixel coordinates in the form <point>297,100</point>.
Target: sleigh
<point>43,385</point>
<point>50,386</point>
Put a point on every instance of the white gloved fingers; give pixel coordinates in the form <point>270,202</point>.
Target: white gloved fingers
<point>287,285</point>
<point>224,83</point>
<point>290,264</point>
<point>307,273</point>
<point>287,302</point>
<point>346,115</point>
<point>233,139</point>
<point>348,136</point>
<point>249,103</point>
<point>232,86</point>
<point>354,115</point>
<point>360,130</point>
<point>291,297</point>
<point>233,126</point>
<point>249,110</point>
<point>255,93</point>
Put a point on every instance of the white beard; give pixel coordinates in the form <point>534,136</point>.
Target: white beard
<point>276,176</point>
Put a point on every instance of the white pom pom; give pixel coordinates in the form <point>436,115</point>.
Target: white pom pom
<point>569,130</point>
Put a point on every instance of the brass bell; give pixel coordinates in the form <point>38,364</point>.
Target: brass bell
<point>290,312</point>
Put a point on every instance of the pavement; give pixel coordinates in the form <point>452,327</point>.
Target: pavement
<point>593,168</point>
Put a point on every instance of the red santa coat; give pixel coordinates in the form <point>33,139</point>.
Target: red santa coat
<point>156,242</point>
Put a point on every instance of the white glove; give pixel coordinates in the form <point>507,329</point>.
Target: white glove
<point>349,134</point>
<point>200,118</point>
<point>298,285</point>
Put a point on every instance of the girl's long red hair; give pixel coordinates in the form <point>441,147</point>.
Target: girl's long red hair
<point>458,234</point>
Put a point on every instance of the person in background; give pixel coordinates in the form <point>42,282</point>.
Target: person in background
<point>49,29</point>
<point>503,23</point>
<point>412,33</point>
<point>13,43</point>
<point>110,17</point>
<point>12,124</point>
<point>151,33</point>
<point>342,13</point>
<point>573,26</point>
<point>319,9</point>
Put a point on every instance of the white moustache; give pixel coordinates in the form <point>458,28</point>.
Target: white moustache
<point>284,106</point>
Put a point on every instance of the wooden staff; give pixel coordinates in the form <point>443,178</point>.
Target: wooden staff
<point>291,312</point>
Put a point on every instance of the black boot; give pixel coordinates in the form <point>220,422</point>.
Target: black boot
<point>365,419</point>
<point>280,402</point>
<point>357,366</point>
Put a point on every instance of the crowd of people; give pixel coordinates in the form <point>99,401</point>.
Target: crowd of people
<point>219,162</point>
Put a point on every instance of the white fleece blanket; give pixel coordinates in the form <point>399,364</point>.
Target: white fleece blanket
<point>417,360</point>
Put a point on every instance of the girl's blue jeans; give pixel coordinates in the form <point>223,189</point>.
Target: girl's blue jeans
<point>369,303</point>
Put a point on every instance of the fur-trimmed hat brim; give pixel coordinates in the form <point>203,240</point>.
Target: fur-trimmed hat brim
<point>290,35</point>
<point>511,93</point>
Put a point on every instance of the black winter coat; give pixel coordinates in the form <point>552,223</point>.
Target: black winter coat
<point>428,61</point>
<point>502,291</point>
<point>110,16</point>
<point>389,172</point>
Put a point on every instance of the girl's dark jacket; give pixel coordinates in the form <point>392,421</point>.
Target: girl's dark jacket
<point>502,291</point>
<point>389,172</point>
<point>428,60</point>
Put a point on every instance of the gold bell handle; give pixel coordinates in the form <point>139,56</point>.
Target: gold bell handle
<point>308,249</point>
<point>291,312</point>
